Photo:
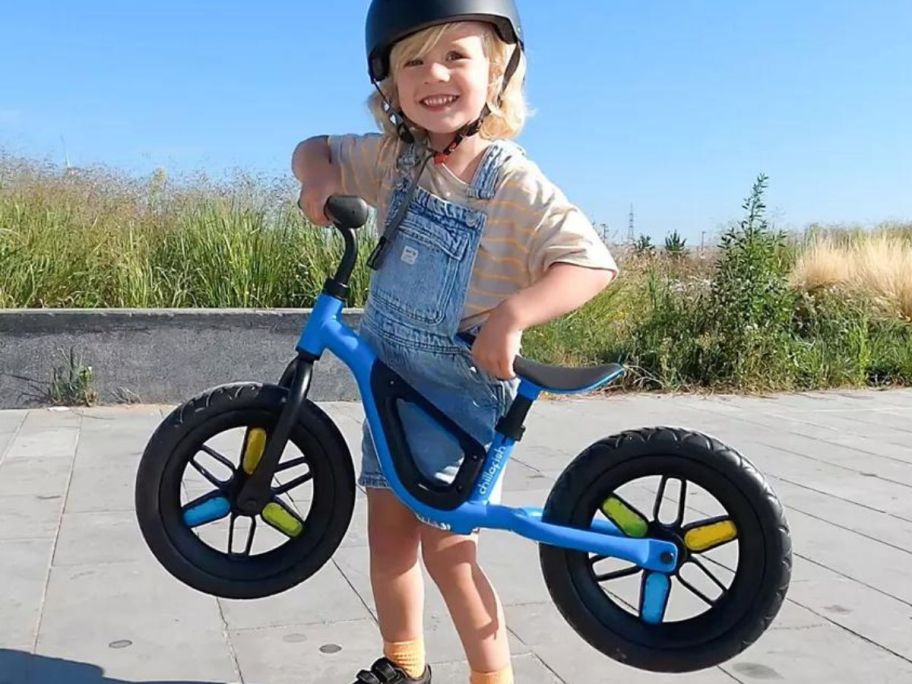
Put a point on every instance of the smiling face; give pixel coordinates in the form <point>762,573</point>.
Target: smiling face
<point>443,86</point>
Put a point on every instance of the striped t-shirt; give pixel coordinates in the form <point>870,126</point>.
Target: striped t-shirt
<point>530,223</point>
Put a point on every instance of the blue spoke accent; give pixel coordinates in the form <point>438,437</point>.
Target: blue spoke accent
<point>206,509</point>
<point>654,591</point>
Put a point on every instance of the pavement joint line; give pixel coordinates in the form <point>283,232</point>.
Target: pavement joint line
<point>50,567</point>
<point>834,496</point>
<point>286,625</point>
<point>853,579</point>
<point>820,439</point>
<point>536,656</point>
<point>874,425</point>
<point>854,633</point>
<point>873,476</point>
<point>227,635</point>
<point>352,587</point>
<point>792,417</point>
<point>722,669</point>
<point>904,549</point>
<point>543,663</point>
<point>16,432</point>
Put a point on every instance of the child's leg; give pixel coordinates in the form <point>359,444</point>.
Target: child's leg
<point>476,611</point>
<point>398,587</point>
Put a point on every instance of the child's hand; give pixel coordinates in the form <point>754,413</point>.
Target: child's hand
<point>497,344</point>
<point>312,202</point>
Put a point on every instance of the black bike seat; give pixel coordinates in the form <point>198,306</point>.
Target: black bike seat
<point>559,378</point>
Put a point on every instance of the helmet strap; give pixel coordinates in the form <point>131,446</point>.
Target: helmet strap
<point>396,117</point>
<point>471,129</point>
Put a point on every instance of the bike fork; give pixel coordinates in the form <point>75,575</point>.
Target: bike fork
<point>257,491</point>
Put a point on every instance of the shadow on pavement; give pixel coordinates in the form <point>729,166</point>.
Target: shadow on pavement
<point>18,667</point>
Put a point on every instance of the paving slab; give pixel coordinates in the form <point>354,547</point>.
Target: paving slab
<point>84,602</point>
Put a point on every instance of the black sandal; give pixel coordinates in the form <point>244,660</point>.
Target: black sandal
<point>384,671</point>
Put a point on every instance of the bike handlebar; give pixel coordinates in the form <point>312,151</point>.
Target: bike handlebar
<point>346,211</point>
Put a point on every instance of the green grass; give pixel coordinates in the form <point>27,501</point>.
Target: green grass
<point>723,320</point>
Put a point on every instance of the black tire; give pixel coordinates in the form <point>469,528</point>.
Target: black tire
<point>195,563</point>
<point>763,571</point>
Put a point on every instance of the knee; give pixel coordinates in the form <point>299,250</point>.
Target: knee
<point>449,563</point>
<point>393,548</point>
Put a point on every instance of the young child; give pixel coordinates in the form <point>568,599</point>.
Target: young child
<point>474,238</point>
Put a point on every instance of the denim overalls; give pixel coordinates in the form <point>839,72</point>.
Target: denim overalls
<point>412,315</point>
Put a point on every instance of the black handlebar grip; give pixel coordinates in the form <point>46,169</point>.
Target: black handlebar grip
<point>346,211</point>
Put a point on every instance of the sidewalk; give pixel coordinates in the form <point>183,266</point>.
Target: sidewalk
<point>83,601</point>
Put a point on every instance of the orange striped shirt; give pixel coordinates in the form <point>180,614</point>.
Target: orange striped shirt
<point>530,223</point>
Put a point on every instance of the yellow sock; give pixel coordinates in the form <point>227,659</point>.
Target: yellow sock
<point>504,676</point>
<point>409,655</point>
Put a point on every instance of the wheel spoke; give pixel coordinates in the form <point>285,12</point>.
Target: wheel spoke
<point>301,460</point>
<point>250,532</point>
<point>617,574</point>
<point>711,576</point>
<point>660,495</point>
<point>655,588</point>
<point>708,534</point>
<point>682,499</point>
<point>218,457</point>
<point>695,591</point>
<point>213,480</point>
<point>250,537</point>
<point>205,509</point>
<point>291,484</point>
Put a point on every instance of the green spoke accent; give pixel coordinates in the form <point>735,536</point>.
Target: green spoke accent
<point>281,517</point>
<point>627,518</point>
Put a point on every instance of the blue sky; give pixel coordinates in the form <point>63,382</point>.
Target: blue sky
<point>674,107</point>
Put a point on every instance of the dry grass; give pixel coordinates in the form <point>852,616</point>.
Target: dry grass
<point>876,265</point>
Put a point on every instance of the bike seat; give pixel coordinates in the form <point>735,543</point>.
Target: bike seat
<point>564,379</point>
<point>559,378</point>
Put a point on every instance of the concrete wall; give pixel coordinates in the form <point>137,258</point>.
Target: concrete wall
<point>157,356</point>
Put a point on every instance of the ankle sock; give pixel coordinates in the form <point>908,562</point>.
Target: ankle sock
<point>409,655</point>
<point>504,676</point>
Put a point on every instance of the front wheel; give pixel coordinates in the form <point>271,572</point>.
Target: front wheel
<point>734,550</point>
<point>195,464</point>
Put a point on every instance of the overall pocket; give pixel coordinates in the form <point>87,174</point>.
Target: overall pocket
<point>423,263</point>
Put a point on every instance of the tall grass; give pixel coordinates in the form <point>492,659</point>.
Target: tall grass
<point>759,312</point>
<point>98,239</point>
<point>747,328</point>
<point>877,265</point>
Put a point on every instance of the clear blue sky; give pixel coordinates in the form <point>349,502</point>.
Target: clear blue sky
<point>671,106</point>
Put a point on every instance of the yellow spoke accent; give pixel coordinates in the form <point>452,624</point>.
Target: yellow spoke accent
<point>253,450</point>
<point>709,536</point>
<point>281,519</point>
<point>628,520</point>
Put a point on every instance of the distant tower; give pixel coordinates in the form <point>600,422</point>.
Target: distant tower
<point>631,236</point>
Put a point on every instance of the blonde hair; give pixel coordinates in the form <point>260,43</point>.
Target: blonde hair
<point>505,120</point>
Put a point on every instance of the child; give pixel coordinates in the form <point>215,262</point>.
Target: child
<point>478,240</point>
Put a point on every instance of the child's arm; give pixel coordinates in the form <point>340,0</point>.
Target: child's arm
<point>320,178</point>
<point>562,289</point>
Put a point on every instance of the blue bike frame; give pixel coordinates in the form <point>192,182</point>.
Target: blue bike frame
<point>325,330</point>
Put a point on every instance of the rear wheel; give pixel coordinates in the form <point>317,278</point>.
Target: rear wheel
<point>733,546</point>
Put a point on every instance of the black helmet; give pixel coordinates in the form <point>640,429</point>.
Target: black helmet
<point>389,21</point>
